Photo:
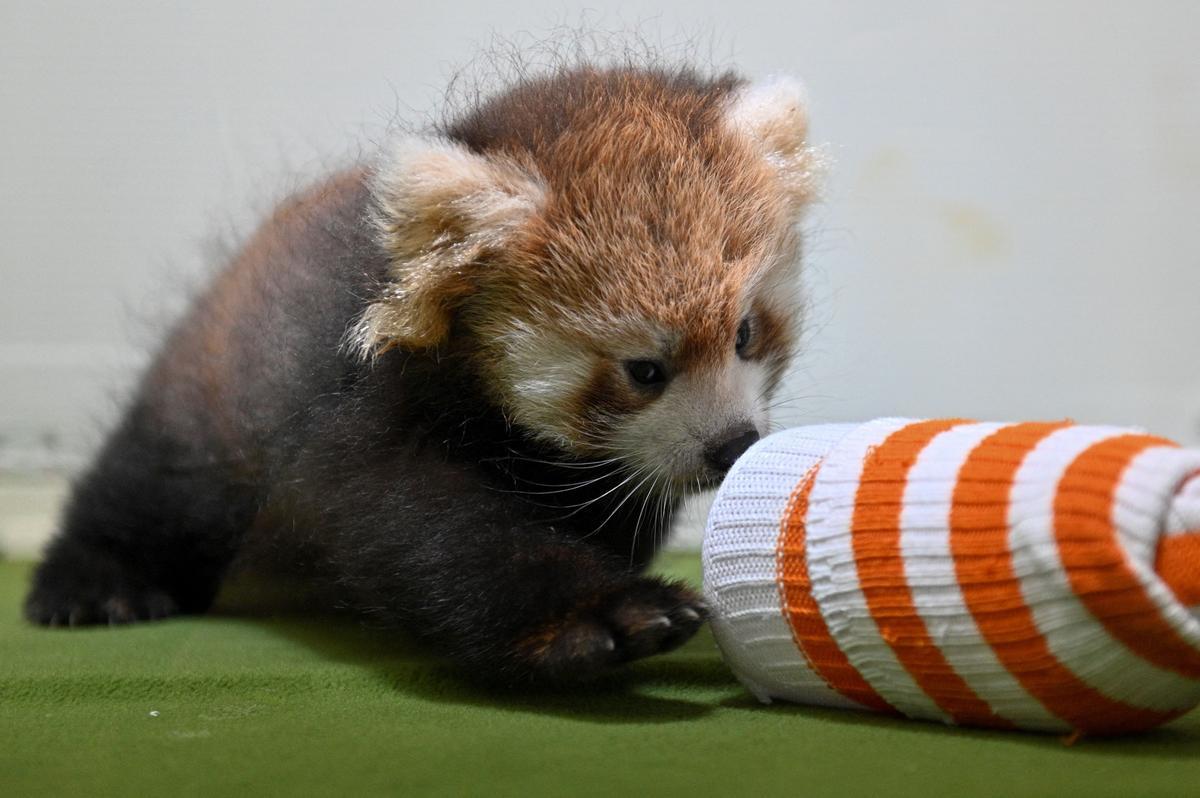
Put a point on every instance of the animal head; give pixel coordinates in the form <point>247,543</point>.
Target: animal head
<point>620,247</point>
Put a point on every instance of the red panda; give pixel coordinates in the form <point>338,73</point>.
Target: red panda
<point>466,383</point>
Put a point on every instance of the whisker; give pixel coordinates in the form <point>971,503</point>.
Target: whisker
<point>662,510</point>
<point>637,526</point>
<point>580,464</point>
<point>562,488</point>
<point>621,503</point>
<point>608,492</point>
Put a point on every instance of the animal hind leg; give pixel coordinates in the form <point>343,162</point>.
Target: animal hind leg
<point>141,539</point>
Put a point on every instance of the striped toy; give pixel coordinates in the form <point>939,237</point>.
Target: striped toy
<point>1035,576</point>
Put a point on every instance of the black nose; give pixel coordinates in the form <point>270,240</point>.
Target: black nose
<point>721,455</point>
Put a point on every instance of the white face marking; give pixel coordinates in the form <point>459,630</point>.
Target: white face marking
<point>541,375</point>
<point>541,372</point>
<point>670,436</point>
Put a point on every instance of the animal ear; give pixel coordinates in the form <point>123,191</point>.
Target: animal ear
<point>773,114</point>
<point>438,208</point>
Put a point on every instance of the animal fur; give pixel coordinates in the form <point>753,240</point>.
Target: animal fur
<point>416,379</point>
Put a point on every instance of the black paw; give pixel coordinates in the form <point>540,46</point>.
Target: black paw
<point>115,609</point>
<point>71,590</point>
<point>643,618</point>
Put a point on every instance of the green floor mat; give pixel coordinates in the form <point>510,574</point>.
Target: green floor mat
<point>237,705</point>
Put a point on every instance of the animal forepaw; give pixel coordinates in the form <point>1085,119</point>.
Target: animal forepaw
<point>643,618</point>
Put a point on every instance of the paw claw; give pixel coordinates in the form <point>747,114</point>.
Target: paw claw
<point>111,610</point>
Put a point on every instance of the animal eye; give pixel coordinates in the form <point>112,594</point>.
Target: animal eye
<point>743,336</point>
<point>646,372</point>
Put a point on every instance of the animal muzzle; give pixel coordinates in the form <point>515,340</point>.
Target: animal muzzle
<point>721,454</point>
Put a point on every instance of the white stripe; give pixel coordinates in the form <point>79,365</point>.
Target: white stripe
<point>1146,498</point>
<point>834,574</point>
<point>1183,516</point>
<point>1074,636</point>
<point>740,568</point>
<point>1146,504</point>
<point>933,581</point>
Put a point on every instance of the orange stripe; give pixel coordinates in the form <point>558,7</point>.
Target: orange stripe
<point>876,534</point>
<point>809,630</point>
<point>979,542</point>
<point>1096,562</point>
<point>1178,565</point>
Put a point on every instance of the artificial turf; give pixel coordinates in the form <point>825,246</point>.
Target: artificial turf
<point>232,704</point>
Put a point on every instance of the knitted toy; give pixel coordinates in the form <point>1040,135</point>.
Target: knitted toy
<point>1036,576</point>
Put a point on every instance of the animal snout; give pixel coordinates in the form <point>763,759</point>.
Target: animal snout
<point>721,454</point>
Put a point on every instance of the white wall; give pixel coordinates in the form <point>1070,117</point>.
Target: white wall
<point>1009,230</point>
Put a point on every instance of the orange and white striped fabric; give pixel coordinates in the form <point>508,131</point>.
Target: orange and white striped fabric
<point>1034,575</point>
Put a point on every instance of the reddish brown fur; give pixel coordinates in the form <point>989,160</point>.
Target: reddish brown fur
<point>772,341</point>
<point>607,396</point>
<point>593,217</point>
<point>644,181</point>
<point>202,372</point>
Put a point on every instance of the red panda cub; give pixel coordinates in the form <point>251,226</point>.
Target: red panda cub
<point>466,385</point>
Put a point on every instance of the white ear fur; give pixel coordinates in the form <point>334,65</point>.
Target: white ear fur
<point>773,113</point>
<point>438,207</point>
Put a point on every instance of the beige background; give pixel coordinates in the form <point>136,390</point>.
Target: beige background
<point>1009,230</point>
